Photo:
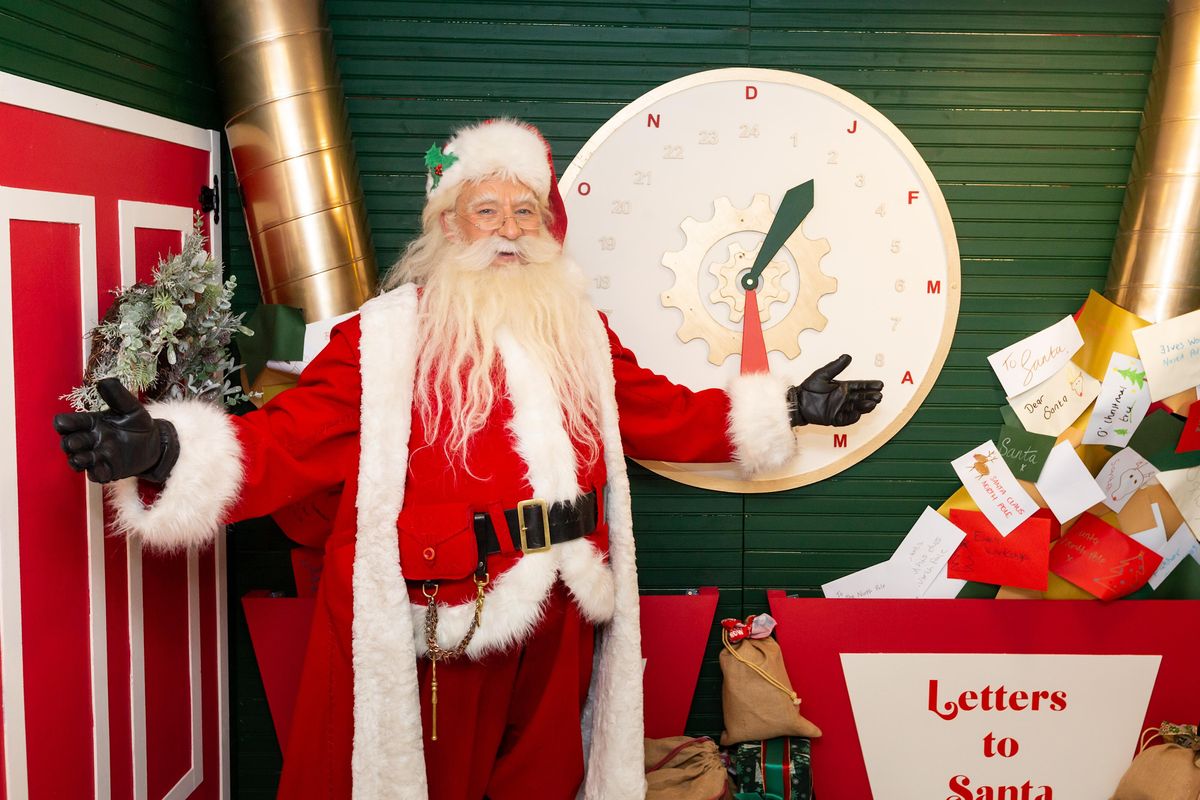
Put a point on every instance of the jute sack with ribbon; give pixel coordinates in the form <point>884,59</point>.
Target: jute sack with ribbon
<point>1167,771</point>
<point>756,695</point>
<point>685,768</point>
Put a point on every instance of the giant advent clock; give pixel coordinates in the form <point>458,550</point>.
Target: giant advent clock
<point>671,200</point>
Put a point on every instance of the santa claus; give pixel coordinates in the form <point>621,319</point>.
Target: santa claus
<point>479,598</point>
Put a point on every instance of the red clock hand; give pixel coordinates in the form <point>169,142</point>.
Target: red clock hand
<point>754,347</point>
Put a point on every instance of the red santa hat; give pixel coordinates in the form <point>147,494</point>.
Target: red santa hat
<point>503,148</point>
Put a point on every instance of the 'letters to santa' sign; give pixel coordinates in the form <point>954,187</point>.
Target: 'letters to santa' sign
<point>991,725</point>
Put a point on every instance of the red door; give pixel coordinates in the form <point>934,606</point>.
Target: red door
<point>112,661</point>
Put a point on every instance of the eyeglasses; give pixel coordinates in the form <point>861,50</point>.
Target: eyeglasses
<point>490,220</point>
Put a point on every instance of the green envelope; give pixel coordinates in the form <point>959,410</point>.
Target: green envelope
<point>1024,452</point>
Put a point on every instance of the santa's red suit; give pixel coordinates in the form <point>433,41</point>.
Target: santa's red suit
<point>405,511</point>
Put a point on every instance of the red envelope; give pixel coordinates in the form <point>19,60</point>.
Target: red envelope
<point>1101,560</point>
<point>1019,559</point>
<point>1189,440</point>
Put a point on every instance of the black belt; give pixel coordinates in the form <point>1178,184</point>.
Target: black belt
<point>534,525</point>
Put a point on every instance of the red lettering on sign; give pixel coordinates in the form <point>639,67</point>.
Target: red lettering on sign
<point>653,119</point>
<point>853,127</point>
<point>751,92</point>
<point>839,440</point>
<point>908,378</point>
<point>933,287</point>
<point>585,188</point>
<point>913,194</point>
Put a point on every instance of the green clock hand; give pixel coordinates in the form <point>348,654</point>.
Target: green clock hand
<point>794,207</point>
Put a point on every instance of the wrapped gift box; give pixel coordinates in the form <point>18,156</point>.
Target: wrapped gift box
<point>773,769</point>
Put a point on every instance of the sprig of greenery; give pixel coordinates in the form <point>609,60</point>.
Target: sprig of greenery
<point>169,339</point>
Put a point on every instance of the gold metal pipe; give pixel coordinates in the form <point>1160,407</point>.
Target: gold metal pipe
<point>289,135</point>
<point>1155,268</point>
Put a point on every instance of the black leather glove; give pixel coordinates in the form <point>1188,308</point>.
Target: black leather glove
<point>118,443</point>
<point>821,400</point>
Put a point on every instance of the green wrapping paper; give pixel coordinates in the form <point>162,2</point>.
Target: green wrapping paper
<point>774,769</point>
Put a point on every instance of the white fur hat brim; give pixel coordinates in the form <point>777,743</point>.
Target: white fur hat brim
<point>503,148</point>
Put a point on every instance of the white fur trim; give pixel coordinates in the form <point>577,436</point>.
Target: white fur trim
<point>612,722</point>
<point>585,571</point>
<point>512,609</point>
<point>537,424</point>
<point>388,760</point>
<point>191,506</point>
<point>504,147</point>
<point>515,602</point>
<point>759,425</point>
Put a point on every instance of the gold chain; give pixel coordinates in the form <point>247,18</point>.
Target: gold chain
<point>435,651</point>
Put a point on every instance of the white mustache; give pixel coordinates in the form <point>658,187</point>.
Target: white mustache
<point>482,253</point>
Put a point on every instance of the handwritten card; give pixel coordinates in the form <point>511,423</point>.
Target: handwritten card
<point>1024,452</point>
<point>1181,545</point>
<point>1019,559</point>
<point>1050,408</point>
<point>927,547</point>
<point>890,580</point>
<point>1067,485</point>
<point>1022,366</point>
<point>1122,475</point>
<point>1183,485</point>
<point>1121,405</point>
<point>943,587</point>
<point>1101,560</point>
<point>993,487</point>
<point>1171,352</point>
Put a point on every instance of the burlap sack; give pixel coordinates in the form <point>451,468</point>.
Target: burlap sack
<point>757,696</point>
<point>1162,772</point>
<point>683,768</point>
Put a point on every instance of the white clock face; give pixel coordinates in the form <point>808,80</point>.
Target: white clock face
<point>670,201</point>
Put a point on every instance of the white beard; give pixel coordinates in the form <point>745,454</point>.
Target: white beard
<point>540,301</point>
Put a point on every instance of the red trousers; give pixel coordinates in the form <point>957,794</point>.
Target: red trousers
<point>508,725</point>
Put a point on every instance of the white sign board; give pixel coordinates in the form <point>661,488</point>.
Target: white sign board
<point>951,725</point>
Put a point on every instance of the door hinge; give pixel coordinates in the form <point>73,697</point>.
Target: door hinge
<point>210,199</point>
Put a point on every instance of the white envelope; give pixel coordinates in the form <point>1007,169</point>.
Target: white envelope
<point>1171,352</point>
<point>1051,407</point>
<point>1155,538</point>
<point>1122,475</point>
<point>1022,366</point>
<point>891,579</point>
<point>1066,484</point>
<point>993,487</point>
<point>928,546</point>
<point>943,587</point>
<point>1122,403</point>
<point>1184,487</point>
<point>1181,545</point>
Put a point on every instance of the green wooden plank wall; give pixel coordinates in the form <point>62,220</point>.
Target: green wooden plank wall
<point>149,54</point>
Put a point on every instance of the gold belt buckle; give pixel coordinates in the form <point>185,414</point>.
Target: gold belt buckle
<point>538,503</point>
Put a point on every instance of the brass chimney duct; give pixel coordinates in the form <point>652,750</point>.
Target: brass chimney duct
<point>290,137</point>
<point>1155,269</point>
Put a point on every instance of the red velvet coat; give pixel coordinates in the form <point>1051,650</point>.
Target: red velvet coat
<point>357,722</point>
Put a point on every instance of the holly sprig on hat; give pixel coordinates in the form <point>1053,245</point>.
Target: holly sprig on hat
<point>437,162</point>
